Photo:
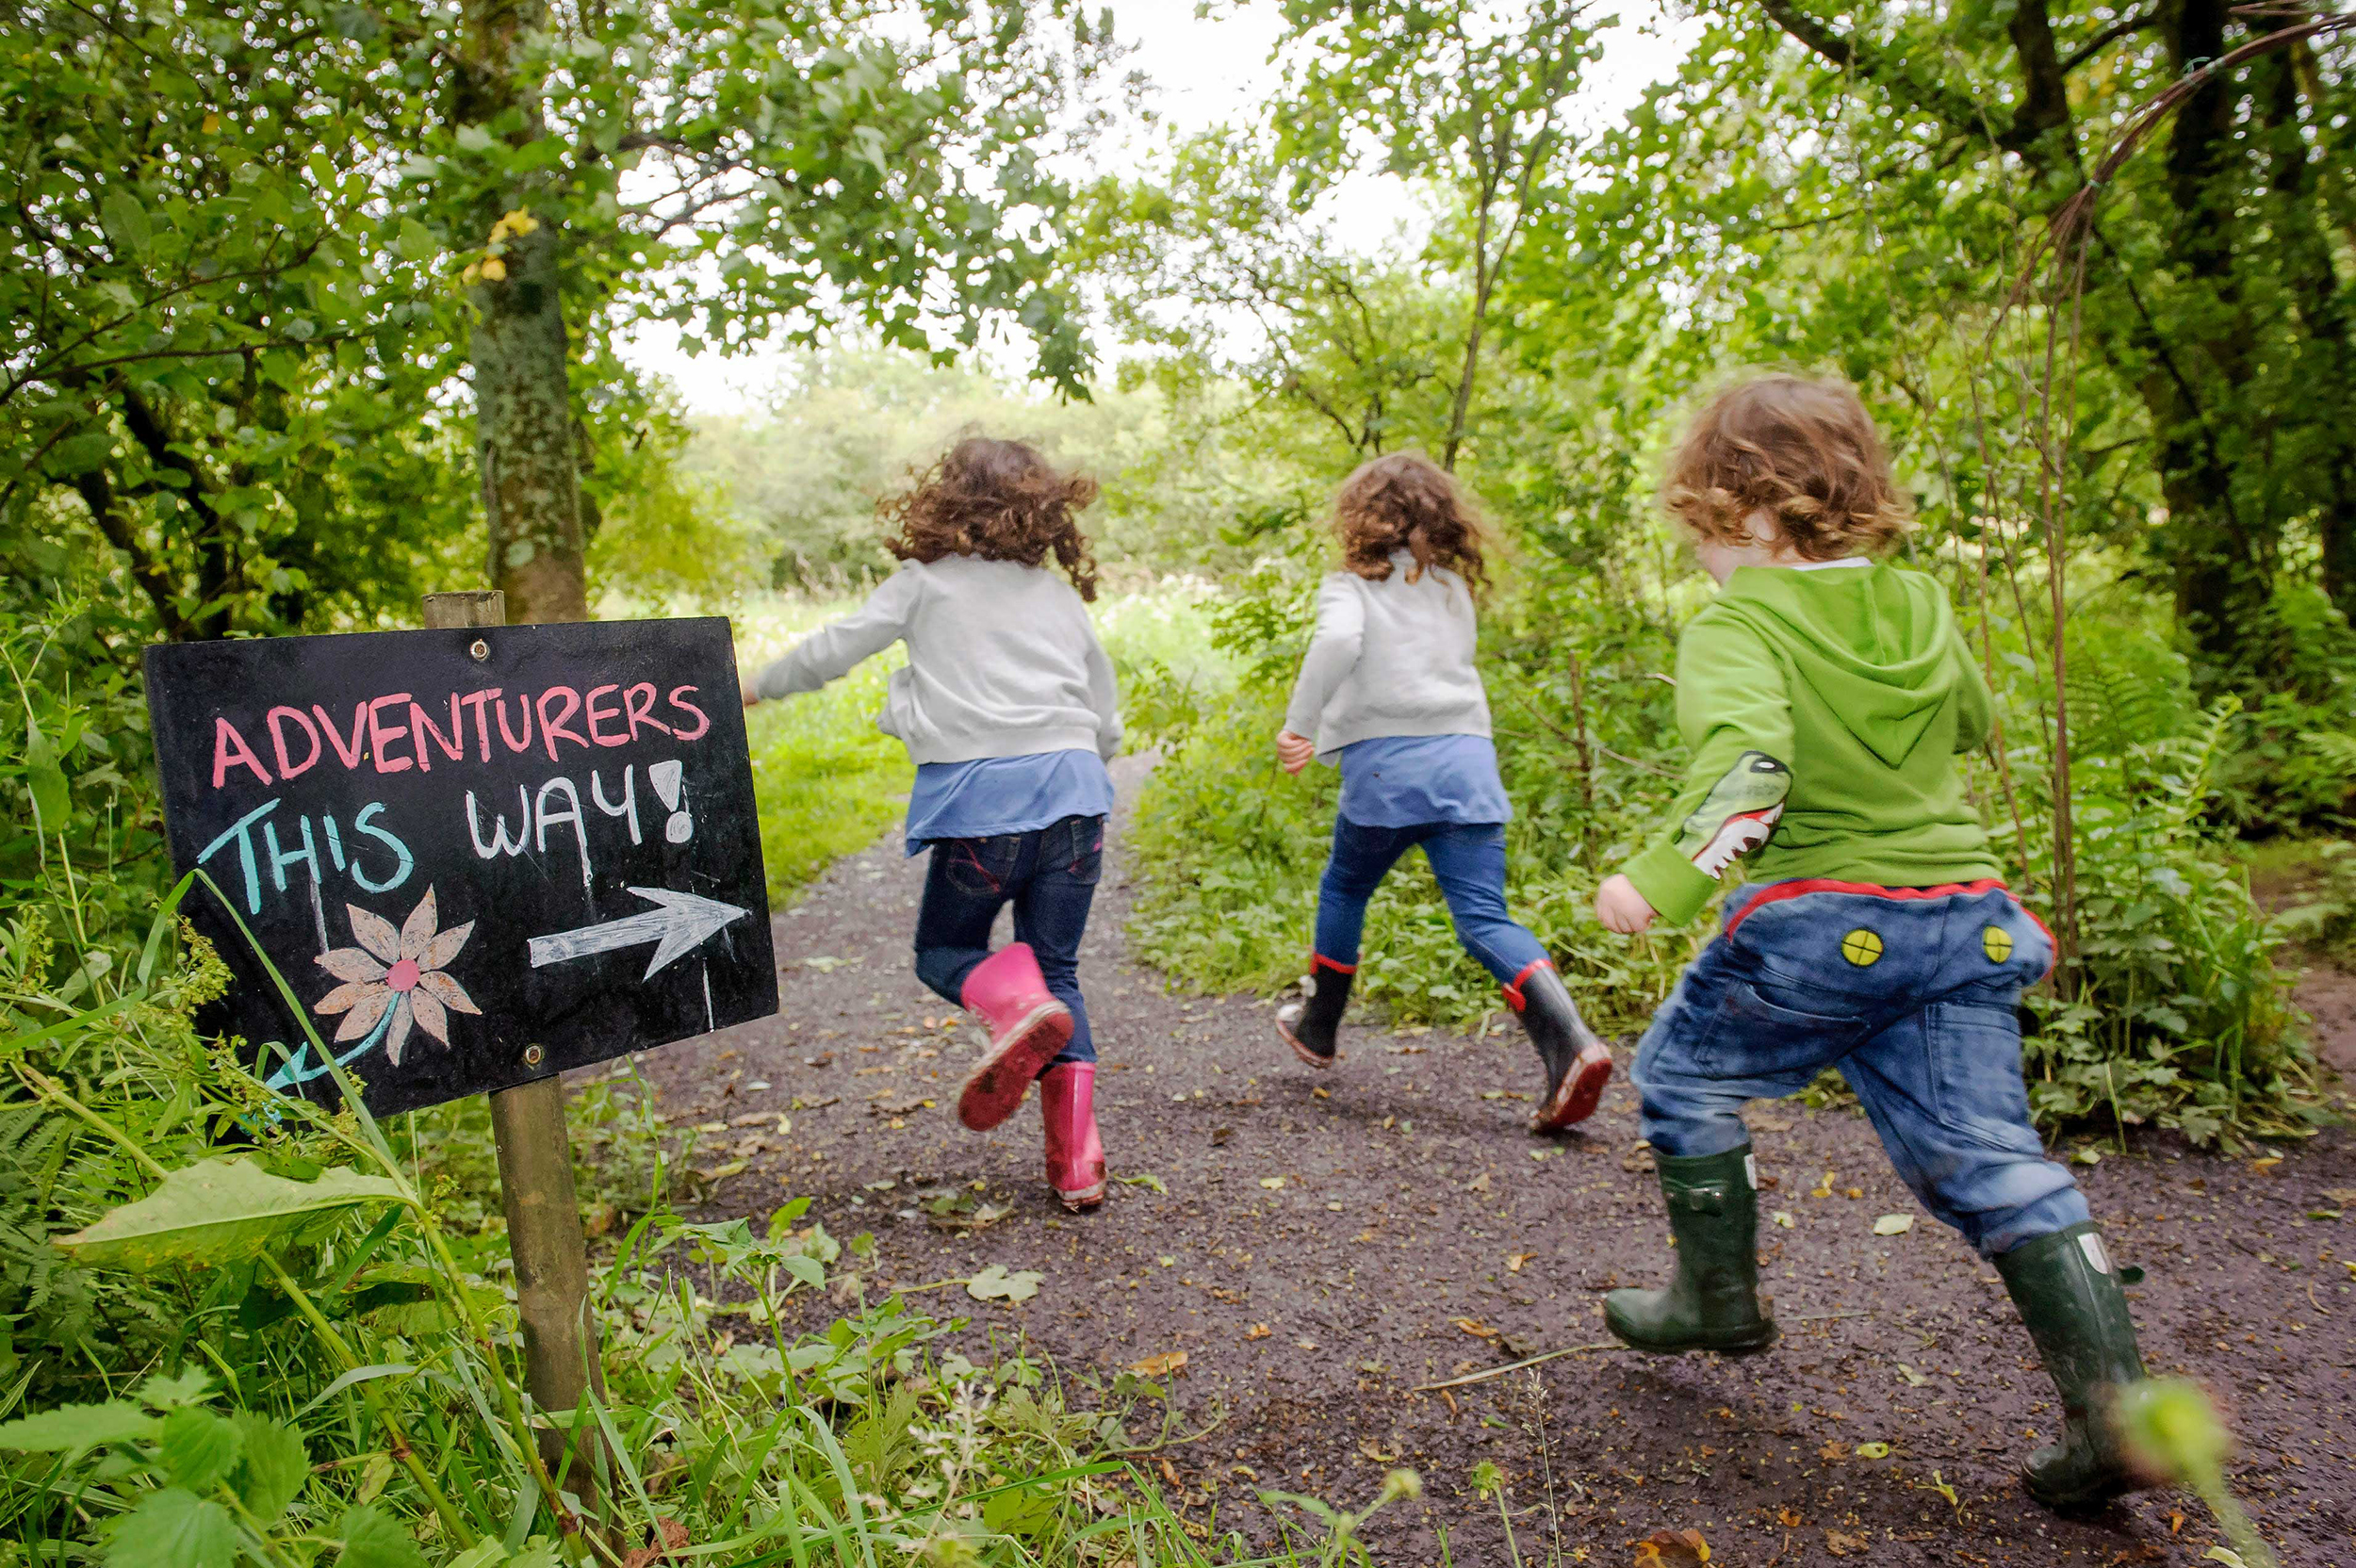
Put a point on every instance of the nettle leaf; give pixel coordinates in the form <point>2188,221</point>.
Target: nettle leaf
<point>169,1390</point>
<point>218,1212</point>
<point>374,1539</point>
<point>172,1528</point>
<point>72,1428</point>
<point>197,1449</point>
<point>273,1466</point>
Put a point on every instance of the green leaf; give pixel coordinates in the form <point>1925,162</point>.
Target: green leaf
<point>274,1467</point>
<point>72,1428</point>
<point>125,221</point>
<point>216,1212</point>
<point>374,1539</point>
<point>79,454</point>
<point>197,1449</point>
<point>1893,1224</point>
<point>45,778</point>
<point>995,1283</point>
<point>169,1390</point>
<point>171,1529</point>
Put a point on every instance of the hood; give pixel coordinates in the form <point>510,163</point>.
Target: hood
<point>1873,643</point>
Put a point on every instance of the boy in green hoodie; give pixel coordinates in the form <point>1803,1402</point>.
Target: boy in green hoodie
<point>1825,698</point>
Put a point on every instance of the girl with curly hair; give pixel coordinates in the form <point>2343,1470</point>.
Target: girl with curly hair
<point>1009,708</point>
<point>1388,694</point>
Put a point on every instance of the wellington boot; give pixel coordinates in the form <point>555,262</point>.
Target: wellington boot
<point>2069,1295</point>
<point>1027,1028</point>
<point>1076,1151</point>
<point>1312,1027</point>
<point>1577,1065</point>
<point>1713,1304</point>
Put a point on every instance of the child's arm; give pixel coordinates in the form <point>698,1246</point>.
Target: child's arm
<point>1332,650</point>
<point>833,651</point>
<point>1105,696</point>
<point>1736,715</point>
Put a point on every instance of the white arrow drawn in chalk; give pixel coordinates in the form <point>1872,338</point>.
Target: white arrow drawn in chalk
<point>682,921</point>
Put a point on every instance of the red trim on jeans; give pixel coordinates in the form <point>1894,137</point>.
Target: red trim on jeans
<point>1512,987</point>
<point>1807,885</point>
<point>1337,967</point>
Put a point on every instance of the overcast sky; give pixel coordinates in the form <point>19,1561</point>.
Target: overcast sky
<point>1201,72</point>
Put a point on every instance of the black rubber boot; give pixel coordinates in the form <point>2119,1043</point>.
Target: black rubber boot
<point>1577,1065</point>
<point>1713,1304</point>
<point>1309,1027</point>
<point>2069,1295</point>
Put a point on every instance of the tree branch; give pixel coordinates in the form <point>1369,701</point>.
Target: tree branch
<point>98,496</point>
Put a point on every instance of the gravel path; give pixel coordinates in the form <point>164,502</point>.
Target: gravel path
<point>1316,1245</point>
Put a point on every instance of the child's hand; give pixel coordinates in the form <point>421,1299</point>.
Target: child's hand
<point>752,698</point>
<point>1294,752</point>
<point>1621,907</point>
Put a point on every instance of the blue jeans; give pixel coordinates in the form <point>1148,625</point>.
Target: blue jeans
<point>1049,874</point>
<point>1469,860</point>
<point>1912,997</point>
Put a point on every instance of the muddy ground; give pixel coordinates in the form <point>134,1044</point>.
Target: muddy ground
<point>1317,1245</point>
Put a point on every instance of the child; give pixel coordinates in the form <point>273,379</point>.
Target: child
<point>1825,698</point>
<point>1388,693</point>
<point>1007,704</point>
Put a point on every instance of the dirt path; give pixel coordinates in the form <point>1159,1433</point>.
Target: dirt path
<point>1318,1246</point>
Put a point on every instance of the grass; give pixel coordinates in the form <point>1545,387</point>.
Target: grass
<point>828,782</point>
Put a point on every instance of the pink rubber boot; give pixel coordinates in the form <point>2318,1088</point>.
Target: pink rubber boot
<point>1028,1026</point>
<point>1075,1154</point>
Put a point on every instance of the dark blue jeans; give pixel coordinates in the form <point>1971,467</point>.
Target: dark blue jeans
<point>1469,860</point>
<point>1049,876</point>
<point>1912,998</point>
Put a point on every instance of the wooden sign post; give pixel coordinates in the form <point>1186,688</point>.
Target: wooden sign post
<point>479,856</point>
<point>544,1234</point>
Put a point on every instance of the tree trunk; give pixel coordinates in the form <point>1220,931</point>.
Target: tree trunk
<point>524,437</point>
<point>524,440</point>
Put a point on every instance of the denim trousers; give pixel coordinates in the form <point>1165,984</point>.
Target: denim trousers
<point>1467,861</point>
<point>1049,874</point>
<point>1910,995</point>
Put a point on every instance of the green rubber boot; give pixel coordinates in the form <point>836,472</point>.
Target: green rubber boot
<point>2068,1294</point>
<point>1713,1304</point>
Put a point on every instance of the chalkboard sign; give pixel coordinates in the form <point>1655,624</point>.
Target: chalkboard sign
<point>479,856</point>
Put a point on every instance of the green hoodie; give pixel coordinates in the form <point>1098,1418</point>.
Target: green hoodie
<point>1823,710</point>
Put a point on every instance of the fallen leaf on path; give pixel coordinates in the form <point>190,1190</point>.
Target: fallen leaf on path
<point>1672,1549</point>
<point>1789,1519</point>
<point>1475,1328</point>
<point>1220,1135</point>
<point>1914,1378</point>
<point>1893,1225</point>
<point>1258,1331</point>
<point>1370,1449</point>
<point>1514,1261</point>
<point>1478,1184</point>
<point>2340,1195</point>
<point>1783,1218</point>
<point>1321,1094</point>
<point>675,1539</point>
<point>1854,1192</point>
<point>2267,1164</point>
<point>1872,1450</point>
<point>1271,1182</point>
<point>1160,1366</point>
<point>996,1283</point>
<point>1842,1546</point>
<point>1833,1450</point>
<point>1147,1180</point>
<point>2224,1554</point>
<point>1824,1188</point>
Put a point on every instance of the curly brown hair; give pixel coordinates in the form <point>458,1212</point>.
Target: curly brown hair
<point>1800,449</point>
<point>1405,501</point>
<point>997,499</point>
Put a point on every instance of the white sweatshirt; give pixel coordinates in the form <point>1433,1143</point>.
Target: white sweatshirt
<point>1002,662</point>
<point>1389,658</point>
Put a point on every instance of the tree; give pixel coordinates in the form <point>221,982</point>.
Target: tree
<point>612,164</point>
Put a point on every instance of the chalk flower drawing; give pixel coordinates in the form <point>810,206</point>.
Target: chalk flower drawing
<point>400,972</point>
